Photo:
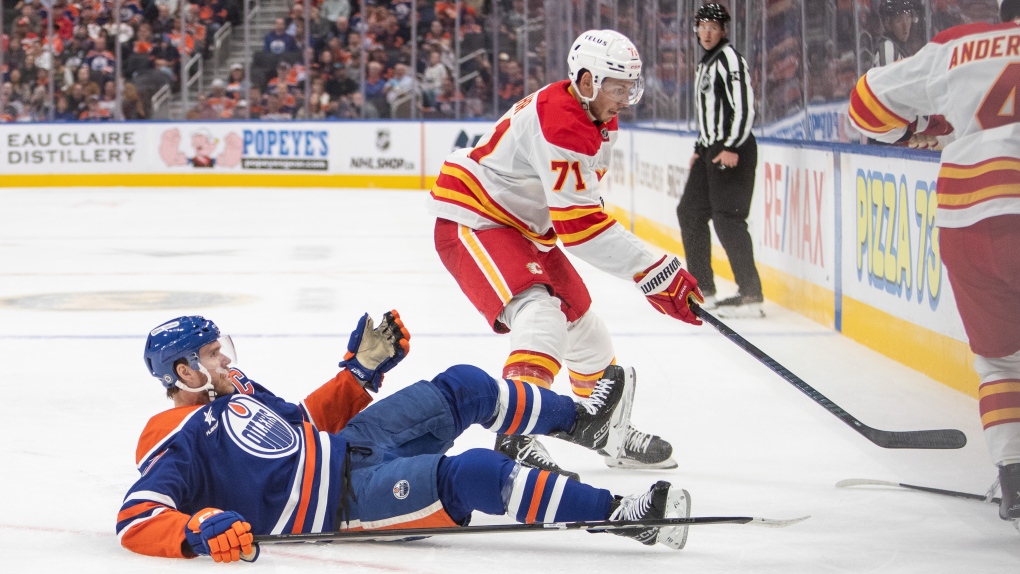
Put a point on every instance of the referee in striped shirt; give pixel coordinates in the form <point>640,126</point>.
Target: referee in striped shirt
<point>722,168</point>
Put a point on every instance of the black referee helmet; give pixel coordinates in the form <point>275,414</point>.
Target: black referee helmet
<point>890,8</point>
<point>714,12</point>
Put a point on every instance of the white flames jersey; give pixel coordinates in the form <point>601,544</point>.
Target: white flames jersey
<point>538,170</point>
<point>971,75</point>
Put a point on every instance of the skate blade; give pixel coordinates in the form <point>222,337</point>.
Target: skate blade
<point>630,463</point>
<point>678,505</point>
<point>620,421</point>
<point>748,311</point>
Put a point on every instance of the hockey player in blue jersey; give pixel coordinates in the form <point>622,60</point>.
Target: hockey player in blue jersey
<point>232,459</point>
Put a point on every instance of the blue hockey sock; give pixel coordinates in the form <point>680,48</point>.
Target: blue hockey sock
<point>503,406</point>
<point>543,496</point>
<point>524,408</point>
<point>473,480</point>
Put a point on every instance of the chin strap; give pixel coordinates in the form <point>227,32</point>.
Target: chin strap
<point>208,386</point>
<point>585,102</point>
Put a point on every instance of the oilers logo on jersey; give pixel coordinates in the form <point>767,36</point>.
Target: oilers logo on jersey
<point>258,430</point>
<point>401,489</point>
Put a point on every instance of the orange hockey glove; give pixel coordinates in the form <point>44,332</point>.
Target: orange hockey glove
<point>224,536</point>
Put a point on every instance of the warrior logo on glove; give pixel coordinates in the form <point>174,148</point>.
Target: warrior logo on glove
<point>671,289</point>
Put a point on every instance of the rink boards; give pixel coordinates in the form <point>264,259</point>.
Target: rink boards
<point>842,234</point>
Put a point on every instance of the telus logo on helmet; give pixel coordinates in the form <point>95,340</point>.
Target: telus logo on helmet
<point>164,327</point>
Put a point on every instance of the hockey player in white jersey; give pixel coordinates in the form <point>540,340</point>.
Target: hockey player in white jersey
<point>970,74</point>
<point>531,183</point>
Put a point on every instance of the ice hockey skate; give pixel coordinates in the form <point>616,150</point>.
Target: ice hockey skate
<point>1009,482</point>
<point>661,501</point>
<point>740,307</point>
<point>604,417</point>
<point>642,450</point>
<point>710,302</point>
<point>531,453</point>
<point>638,449</point>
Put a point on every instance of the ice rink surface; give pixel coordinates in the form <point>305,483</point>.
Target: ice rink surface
<point>85,274</point>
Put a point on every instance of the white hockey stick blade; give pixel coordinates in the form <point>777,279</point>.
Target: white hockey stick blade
<point>864,482</point>
<point>777,522</point>
<point>987,497</point>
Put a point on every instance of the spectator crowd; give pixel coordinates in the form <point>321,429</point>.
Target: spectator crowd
<point>362,64</point>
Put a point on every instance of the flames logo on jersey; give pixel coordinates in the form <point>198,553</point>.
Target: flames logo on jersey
<point>534,268</point>
<point>257,430</point>
<point>401,489</point>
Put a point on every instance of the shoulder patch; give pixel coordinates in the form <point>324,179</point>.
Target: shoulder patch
<point>564,124</point>
<point>161,428</point>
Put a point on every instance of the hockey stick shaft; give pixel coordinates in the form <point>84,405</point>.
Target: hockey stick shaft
<point>593,526</point>
<point>943,492</point>
<point>928,439</point>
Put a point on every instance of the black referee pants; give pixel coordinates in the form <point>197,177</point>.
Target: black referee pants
<point>724,197</point>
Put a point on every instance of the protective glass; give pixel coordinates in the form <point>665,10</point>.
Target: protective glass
<point>623,91</point>
<point>215,360</point>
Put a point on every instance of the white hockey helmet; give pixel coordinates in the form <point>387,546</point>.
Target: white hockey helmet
<point>606,54</point>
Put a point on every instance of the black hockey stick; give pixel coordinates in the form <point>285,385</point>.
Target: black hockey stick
<point>935,439</point>
<point>953,493</point>
<point>590,526</point>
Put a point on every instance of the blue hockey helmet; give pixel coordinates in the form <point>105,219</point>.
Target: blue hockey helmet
<point>179,338</point>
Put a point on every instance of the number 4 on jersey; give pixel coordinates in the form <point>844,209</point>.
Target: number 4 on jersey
<point>1000,105</point>
<point>564,167</point>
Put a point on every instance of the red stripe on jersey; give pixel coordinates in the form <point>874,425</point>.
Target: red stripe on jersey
<point>582,384</point>
<point>580,229</point>
<point>961,186</point>
<point>531,367</point>
<point>565,124</point>
<point>999,402</point>
<point>457,186</point>
<point>480,152</point>
<point>869,113</point>
<point>964,30</point>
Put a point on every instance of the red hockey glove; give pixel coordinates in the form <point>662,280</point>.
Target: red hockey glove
<point>224,536</point>
<point>671,289</point>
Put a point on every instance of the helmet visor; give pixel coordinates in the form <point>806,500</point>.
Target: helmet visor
<point>218,356</point>
<point>623,91</point>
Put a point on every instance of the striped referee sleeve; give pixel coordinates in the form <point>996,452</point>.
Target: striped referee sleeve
<point>740,96</point>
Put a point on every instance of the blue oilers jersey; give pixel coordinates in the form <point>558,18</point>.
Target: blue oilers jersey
<point>250,452</point>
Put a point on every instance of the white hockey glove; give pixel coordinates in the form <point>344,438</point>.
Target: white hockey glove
<point>372,352</point>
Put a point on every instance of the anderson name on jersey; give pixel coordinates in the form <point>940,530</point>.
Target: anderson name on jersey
<point>980,173</point>
<point>539,170</point>
<point>196,457</point>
